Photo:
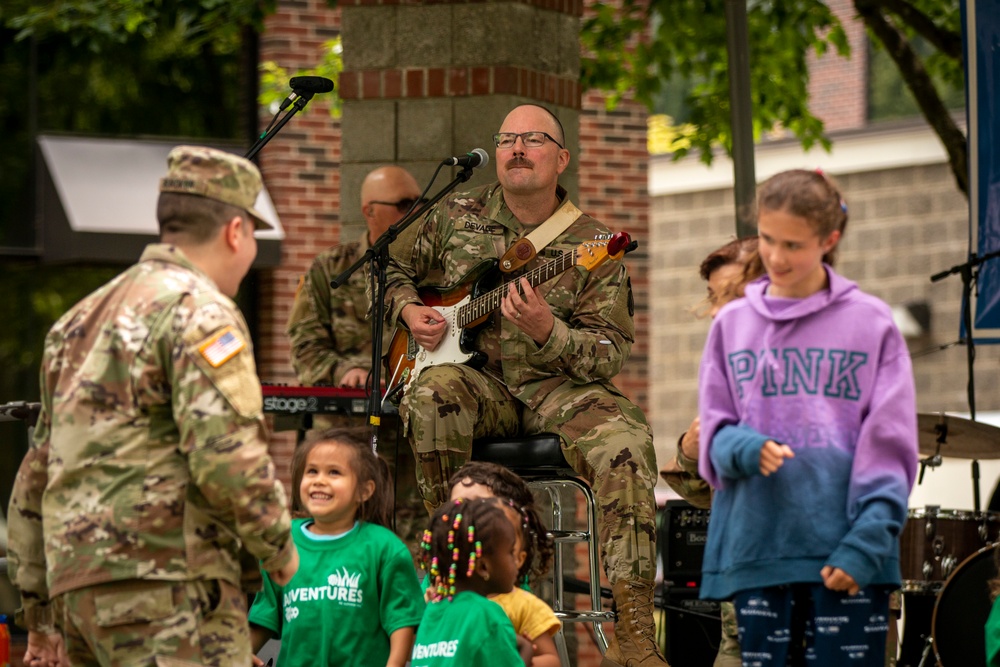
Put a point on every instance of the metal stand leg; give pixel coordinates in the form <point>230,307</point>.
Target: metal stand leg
<point>926,653</point>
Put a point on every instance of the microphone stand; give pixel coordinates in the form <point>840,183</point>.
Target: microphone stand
<point>970,276</point>
<point>378,256</point>
<point>298,105</point>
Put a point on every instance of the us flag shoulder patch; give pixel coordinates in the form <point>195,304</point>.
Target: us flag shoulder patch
<point>222,347</point>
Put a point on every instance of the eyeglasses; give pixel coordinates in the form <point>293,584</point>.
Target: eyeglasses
<point>403,205</point>
<point>529,139</point>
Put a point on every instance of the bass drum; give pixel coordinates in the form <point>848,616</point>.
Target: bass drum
<point>961,611</point>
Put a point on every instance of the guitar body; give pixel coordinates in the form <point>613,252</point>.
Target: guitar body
<point>469,307</point>
<point>406,359</point>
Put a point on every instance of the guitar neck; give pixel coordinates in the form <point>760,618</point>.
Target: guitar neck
<point>487,303</point>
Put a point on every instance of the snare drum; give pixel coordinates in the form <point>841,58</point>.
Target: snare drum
<point>935,541</point>
<point>961,611</point>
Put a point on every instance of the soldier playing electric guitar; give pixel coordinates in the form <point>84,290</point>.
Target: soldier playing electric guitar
<point>548,359</point>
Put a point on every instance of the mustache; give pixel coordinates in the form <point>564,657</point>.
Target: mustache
<point>519,162</point>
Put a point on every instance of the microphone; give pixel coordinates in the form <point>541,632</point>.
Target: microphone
<point>305,87</point>
<point>474,159</point>
<point>310,84</point>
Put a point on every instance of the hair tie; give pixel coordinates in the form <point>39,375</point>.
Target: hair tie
<point>843,204</point>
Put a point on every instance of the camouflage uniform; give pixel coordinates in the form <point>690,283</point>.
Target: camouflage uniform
<point>329,328</point>
<point>692,488</point>
<point>563,387</point>
<point>688,483</point>
<point>330,334</point>
<point>148,494</point>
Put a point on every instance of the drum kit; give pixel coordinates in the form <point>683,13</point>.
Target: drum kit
<point>947,556</point>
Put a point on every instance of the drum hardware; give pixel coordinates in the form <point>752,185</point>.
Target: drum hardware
<point>927,651</point>
<point>932,511</point>
<point>948,564</point>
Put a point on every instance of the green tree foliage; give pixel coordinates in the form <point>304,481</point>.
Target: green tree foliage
<point>102,67</point>
<point>274,78</point>
<point>97,24</point>
<point>687,39</point>
<point>634,48</point>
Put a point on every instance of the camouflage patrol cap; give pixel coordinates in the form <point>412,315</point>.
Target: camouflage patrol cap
<point>218,175</point>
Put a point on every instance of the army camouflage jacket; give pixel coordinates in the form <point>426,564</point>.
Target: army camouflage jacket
<point>149,459</point>
<point>328,328</point>
<point>593,331</point>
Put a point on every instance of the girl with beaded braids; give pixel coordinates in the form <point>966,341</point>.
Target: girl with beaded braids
<point>809,437</point>
<point>482,479</point>
<point>531,616</point>
<point>356,599</point>
<point>469,552</point>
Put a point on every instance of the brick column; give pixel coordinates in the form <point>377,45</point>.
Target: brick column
<point>426,81</point>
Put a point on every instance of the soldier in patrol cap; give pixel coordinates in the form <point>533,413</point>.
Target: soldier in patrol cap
<point>148,497</point>
<point>551,353</point>
<point>330,332</point>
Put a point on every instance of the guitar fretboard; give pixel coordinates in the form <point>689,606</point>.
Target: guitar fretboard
<point>487,303</point>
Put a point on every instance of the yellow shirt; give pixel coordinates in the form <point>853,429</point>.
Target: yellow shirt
<point>529,614</point>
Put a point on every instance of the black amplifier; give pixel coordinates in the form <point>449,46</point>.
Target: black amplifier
<point>693,628</point>
<point>683,533</point>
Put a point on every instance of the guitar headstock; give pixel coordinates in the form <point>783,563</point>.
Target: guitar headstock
<point>592,254</point>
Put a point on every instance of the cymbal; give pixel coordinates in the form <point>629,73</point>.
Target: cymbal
<point>963,438</point>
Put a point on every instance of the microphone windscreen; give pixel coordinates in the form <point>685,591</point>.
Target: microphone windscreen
<point>311,84</point>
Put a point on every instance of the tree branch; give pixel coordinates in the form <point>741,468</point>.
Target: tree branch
<point>920,84</point>
<point>946,41</point>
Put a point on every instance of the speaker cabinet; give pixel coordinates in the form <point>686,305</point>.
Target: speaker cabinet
<point>683,533</point>
<point>693,628</point>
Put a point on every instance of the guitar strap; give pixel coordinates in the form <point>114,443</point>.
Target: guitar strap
<point>525,249</point>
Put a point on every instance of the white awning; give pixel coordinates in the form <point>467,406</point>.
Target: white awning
<point>96,199</point>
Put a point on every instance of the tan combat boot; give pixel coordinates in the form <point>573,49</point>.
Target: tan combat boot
<point>634,642</point>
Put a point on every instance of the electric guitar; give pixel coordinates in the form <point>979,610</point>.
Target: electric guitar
<point>467,308</point>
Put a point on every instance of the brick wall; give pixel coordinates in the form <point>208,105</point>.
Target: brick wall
<point>613,165</point>
<point>838,87</point>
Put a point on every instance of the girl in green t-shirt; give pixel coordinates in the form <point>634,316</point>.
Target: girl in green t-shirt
<point>470,552</point>
<point>355,599</point>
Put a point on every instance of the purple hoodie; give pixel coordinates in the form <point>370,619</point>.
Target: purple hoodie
<point>828,375</point>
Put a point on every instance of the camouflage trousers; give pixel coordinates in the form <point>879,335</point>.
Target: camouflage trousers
<point>605,438</point>
<point>729,646</point>
<point>410,514</point>
<point>156,623</point>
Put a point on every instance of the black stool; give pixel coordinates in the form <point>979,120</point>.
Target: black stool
<point>539,460</point>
